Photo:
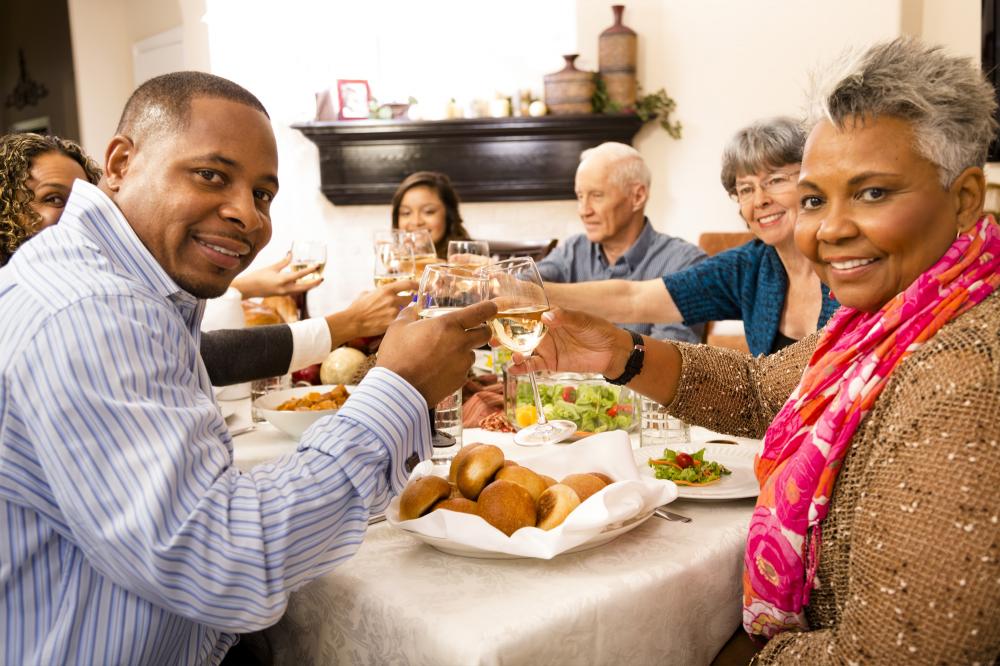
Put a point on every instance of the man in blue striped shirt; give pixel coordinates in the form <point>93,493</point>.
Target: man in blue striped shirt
<point>128,535</point>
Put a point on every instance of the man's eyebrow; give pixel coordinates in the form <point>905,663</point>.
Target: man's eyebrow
<point>229,162</point>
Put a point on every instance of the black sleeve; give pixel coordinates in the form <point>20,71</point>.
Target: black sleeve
<point>237,355</point>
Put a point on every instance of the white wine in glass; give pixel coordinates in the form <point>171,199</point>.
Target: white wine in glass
<point>443,290</point>
<point>393,259</point>
<point>516,287</point>
<point>306,254</point>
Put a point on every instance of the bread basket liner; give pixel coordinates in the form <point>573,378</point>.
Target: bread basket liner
<point>631,497</point>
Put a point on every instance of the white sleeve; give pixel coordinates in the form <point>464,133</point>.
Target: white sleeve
<point>310,342</point>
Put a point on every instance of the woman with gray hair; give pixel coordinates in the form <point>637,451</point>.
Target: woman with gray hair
<point>767,283</point>
<point>874,538</point>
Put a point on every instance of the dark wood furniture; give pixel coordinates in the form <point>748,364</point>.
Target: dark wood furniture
<point>536,249</point>
<point>487,159</point>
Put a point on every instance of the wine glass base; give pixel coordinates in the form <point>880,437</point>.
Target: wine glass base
<point>548,433</point>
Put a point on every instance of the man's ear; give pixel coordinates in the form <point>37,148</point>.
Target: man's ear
<point>640,193</point>
<point>117,160</point>
<point>969,194</point>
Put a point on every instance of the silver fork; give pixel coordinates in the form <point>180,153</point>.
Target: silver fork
<point>670,515</point>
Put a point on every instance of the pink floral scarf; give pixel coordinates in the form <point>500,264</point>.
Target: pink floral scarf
<point>806,444</point>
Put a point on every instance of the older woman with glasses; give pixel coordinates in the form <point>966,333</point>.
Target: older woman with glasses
<point>766,283</point>
<point>875,537</point>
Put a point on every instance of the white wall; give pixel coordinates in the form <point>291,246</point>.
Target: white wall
<point>725,63</point>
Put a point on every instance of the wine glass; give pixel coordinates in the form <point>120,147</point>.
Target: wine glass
<point>470,254</point>
<point>516,287</point>
<point>306,253</point>
<point>444,289</point>
<point>393,259</point>
<point>424,253</point>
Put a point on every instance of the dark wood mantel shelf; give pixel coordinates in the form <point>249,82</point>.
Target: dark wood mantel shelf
<point>488,159</point>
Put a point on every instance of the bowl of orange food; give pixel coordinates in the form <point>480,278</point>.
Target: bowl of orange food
<point>294,410</point>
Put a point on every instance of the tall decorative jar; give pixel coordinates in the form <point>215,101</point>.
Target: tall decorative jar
<point>618,52</point>
<point>570,89</point>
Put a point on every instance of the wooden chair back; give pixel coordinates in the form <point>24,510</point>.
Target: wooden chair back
<point>537,249</point>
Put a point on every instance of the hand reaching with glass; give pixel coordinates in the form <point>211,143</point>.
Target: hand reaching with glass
<point>393,259</point>
<point>516,288</point>
<point>273,280</point>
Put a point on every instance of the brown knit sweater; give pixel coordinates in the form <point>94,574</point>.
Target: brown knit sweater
<point>908,570</point>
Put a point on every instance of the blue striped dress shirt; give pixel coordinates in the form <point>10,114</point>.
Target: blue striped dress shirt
<point>128,536</point>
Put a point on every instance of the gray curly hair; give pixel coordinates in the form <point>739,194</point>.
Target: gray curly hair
<point>947,99</point>
<point>764,145</point>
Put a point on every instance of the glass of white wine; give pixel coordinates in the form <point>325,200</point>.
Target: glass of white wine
<point>424,253</point>
<point>469,254</point>
<point>308,253</point>
<point>393,260</point>
<point>516,287</point>
<point>444,289</point>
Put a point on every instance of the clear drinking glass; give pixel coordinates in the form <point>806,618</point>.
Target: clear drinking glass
<point>468,253</point>
<point>424,253</point>
<point>393,259</point>
<point>516,287</point>
<point>306,253</point>
<point>444,289</point>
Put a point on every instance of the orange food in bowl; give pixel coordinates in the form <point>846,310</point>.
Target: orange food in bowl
<point>316,401</point>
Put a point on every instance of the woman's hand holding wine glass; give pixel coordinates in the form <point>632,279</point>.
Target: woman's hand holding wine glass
<point>516,288</point>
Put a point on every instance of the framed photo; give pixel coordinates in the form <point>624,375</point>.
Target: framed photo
<point>353,97</point>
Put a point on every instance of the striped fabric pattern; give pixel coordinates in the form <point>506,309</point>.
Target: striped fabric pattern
<point>128,537</point>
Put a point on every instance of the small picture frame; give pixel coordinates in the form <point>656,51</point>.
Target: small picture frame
<point>353,96</point>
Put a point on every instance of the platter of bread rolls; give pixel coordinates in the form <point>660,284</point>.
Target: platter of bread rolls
<point>564,500</point>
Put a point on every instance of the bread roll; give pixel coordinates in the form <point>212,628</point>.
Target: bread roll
<point>585,485</point>
<point>525,478</point>
<point>510,463</point>
<point>555,504</point>
<point>459,504</point>
<point>549,481</point>
<point>420,495</point>
<point>255,314</point>
<point>603,477</point>
<point>462,452</point>
<point>507,507</point>
<point>284,306</point>
<point>477,468</point>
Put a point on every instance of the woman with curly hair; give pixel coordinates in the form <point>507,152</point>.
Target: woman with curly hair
<point>34,172</point>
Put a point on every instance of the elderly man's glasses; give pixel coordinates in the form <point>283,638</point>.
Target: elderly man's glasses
<point>778,182</point>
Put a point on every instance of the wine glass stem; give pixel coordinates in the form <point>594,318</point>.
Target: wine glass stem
<point>542,421</point>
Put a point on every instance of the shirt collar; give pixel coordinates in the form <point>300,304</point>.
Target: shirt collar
<point>635,253</point>
<point>90,212</point>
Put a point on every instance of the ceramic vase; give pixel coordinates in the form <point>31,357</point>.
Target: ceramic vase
<point>569,90</point>
<point>618,49</point>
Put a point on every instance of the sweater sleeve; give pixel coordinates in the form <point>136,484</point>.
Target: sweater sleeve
<point>709,291</point>
<point>243,354</point>
<point>731,392</point>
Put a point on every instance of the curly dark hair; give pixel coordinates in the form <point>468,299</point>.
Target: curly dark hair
<point>18,222</point>
<point>441,184</point>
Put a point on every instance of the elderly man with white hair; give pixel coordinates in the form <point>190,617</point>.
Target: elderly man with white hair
<point>619,241</point>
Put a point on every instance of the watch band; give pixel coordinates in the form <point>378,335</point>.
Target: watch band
<point>633,365</point>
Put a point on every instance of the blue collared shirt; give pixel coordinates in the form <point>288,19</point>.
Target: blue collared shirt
<point>651,256</point>
<point>128,536</point>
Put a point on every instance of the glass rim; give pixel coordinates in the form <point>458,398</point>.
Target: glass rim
<point>505,263</point>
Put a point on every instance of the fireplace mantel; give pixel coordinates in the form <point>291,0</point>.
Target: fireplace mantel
<point>488,159</point>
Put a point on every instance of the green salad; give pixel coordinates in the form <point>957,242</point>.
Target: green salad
<point>687,469</point>
<point>592,407</point>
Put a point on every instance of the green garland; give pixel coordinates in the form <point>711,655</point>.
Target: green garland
<point>647,107</point>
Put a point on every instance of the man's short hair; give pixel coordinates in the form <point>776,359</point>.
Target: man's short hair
<point>627,165</point>
<point>164,102</point>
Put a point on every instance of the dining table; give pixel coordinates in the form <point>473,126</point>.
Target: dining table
<point>665,592</point>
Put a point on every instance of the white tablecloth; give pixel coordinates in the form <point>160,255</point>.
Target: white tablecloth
<point>664,593</point>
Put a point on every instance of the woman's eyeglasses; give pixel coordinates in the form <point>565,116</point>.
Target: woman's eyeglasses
<point>778,182</point>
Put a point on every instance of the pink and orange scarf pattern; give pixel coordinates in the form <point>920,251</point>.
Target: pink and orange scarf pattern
<point>806,443</point>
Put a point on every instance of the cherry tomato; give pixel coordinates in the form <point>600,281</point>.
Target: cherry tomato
<point>625,409</point>
<point>613,411</point>
<point>683,460</point>
<point>569,394</point>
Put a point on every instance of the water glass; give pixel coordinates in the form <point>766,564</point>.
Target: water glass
<point>260,388</point>
<point>447,430</point>
<point>659,428</point>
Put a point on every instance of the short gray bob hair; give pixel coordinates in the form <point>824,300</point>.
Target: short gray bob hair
<point>765,145</point>
<point>947,100</point>
<point>627,168</point>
